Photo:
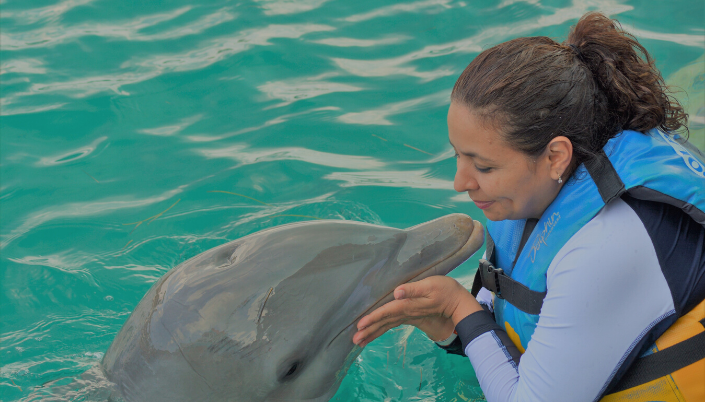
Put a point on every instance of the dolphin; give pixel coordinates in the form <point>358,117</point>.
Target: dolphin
<point>270,316</point>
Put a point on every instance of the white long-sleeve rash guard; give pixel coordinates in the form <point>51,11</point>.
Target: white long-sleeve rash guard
<point>606,294</point>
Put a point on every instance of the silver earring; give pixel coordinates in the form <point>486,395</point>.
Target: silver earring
<point>560,180</point>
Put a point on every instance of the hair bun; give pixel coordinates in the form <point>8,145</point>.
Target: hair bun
<point>625,73</point>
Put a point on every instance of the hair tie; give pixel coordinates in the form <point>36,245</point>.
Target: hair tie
<point>577,52</point>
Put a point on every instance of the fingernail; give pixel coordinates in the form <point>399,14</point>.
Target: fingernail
<point>399,294</point>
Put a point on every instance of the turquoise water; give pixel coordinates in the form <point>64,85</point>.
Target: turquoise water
<point>135,135</point>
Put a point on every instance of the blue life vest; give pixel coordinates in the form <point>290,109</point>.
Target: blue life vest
<point>651,166</point>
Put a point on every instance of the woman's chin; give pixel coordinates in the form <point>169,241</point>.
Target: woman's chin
<point>493,216</point>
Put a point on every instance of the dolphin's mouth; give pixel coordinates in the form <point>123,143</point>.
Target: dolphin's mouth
<point>472,239</point>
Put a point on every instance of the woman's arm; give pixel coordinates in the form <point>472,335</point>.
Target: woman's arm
<point>606,293</point>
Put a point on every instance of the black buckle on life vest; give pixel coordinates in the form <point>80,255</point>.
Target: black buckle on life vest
<point>504,287</point>
<point>490,276</point>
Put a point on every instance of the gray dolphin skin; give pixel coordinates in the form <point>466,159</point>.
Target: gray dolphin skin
<point>270,316</point>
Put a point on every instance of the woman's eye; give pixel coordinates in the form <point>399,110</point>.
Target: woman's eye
<point>483,170</point>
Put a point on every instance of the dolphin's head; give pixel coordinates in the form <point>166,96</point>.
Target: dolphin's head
<point>271,316</point>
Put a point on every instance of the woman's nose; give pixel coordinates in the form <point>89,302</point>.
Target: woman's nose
<point>464,181</point>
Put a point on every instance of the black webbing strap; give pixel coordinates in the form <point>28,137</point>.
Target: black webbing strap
<point>663,362</point>
<point>528,228</point>
<point>605,177</point>
<point>504,287</point>
<point>476,284</point>
<point>489,253</point>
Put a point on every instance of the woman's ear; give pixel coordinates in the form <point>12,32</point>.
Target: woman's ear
<point>560,154</point>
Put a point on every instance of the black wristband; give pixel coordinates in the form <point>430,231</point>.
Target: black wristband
<point>475,325</point>
<point>455,348</point>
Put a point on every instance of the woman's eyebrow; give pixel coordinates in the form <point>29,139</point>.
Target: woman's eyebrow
<point>471,154</point>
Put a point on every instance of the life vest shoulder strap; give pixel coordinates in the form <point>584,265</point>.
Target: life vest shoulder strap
<point>605,176</point>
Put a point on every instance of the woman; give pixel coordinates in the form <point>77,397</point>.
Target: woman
<point>596,227</point>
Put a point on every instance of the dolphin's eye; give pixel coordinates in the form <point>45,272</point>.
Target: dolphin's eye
<point>290,371</point>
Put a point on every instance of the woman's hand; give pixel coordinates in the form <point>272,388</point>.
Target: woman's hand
<point>434,305</point>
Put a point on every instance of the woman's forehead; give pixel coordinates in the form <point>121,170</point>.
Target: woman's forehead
<point>469,136</point>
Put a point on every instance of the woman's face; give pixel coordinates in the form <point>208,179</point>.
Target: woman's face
<point>503,182</point>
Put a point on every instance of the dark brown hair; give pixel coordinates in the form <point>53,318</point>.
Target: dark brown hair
<point>599,82</point>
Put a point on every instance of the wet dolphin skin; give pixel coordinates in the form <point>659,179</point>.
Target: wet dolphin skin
<point>270,316</point>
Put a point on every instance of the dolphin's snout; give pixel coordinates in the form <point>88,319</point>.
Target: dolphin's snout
<point>431,243</point>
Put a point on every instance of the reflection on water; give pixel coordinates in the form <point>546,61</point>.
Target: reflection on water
<point>49,13</point>
<point>127,30</point>
<point>172,129</point>
<point>352,42</point>
<point>23,66</point>
<point>246,156</point>
<point>134,138</point>
<point>154,66</point>
<point>303,88</point>
<point>72,155</point>
<point>379,116</point>
<point>278,7</point>
<point>434,6</point>
<point>695,40</point>
<point>79,210</point>
<point>406,178</point>
<point>473,44</point>
<point>277,120</point>
<point>206,54</point>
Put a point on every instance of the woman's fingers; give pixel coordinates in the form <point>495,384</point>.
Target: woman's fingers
<point>414,303</point>
<point>415,290</point>
<point>390,315</point>
<point>369,334</point>
<point>395,310</point>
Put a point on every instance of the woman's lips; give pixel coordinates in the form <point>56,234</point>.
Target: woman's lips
<point>483,204</point>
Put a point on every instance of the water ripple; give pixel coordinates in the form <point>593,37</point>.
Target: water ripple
<point>277,120</point>
<point>279,7</point>
<point>300,88</point>
<point>400,178</point>
<point>474,44</point>
<point>241,154</point>
<point>380,115</point>
<point>23,66</point>
<point>72,155</point>
<point>9,110</point>
<point>224,47</point>
<point>434,5</point>
<point>204,56</point>
<point>48,13</point>
<point>352,42</point>
<point>128,30</point>
<point>68,261</point>
<point>165,131</point>
<point>81,209</point>
<point>506,3</point>
<point>681,39</point>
